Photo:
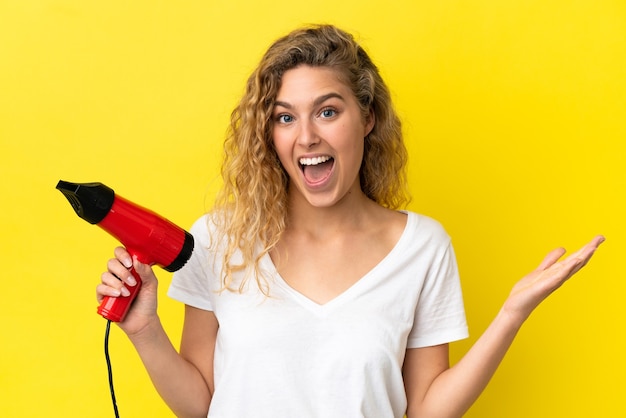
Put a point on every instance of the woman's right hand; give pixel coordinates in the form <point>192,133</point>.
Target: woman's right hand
<point>115,283</point>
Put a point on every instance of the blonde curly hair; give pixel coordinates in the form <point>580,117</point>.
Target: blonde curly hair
<point>251,209</point>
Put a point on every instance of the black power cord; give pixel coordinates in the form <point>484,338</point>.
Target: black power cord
<point>109,368</point>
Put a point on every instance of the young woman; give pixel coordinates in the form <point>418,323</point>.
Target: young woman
<point>309,293</point>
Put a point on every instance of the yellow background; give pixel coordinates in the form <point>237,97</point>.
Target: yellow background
<point>515,115</point>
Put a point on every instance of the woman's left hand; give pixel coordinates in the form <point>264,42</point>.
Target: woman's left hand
<point>529,292</point>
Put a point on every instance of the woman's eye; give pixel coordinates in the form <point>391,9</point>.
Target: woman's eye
<point>328,113</point>
<point>284,118</point>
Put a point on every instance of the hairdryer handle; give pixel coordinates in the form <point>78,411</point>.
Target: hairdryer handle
<point>115,308</point>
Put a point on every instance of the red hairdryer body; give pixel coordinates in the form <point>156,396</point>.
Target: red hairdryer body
<point>146,235</point>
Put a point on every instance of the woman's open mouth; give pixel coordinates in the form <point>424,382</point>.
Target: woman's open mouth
<point>316,169</point>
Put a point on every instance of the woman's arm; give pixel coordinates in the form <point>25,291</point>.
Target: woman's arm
<point>440,391</point>
<point>449,392</point>
<point>184,380</point>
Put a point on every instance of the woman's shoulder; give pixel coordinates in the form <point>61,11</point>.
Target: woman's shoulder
<point>205,228</point>
<point>202,225</point>
<point>426,227</point>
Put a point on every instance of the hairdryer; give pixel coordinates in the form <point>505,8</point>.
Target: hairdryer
<point>146,235</point>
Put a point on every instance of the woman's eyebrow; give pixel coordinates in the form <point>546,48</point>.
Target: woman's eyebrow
<point>316,102</point>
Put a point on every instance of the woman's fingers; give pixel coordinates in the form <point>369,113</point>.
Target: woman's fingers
<point>123,256</point>
<point>552,257</point>
<point>117,269</point>
<point>575,260</point>
<point>585,253</point>
<point>110,286</point>
<point>117,276</point>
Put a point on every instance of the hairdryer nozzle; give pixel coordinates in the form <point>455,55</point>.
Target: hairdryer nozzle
<point>90,201</point>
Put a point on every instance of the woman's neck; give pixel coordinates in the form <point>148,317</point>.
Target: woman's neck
<point>352,211</point>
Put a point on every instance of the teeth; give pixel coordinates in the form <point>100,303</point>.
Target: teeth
<point>314,161</point>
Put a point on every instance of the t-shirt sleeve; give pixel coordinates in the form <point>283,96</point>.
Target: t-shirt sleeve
<point>440,313</point>
<point>192,283</point>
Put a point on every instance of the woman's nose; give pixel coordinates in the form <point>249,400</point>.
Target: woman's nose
<point>308,135</point>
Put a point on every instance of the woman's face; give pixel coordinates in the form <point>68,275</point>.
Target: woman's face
<point>318,133</point>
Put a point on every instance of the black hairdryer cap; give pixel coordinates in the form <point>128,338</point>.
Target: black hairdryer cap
<point>91,201</point>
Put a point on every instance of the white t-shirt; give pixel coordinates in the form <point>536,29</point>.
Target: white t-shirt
<point>286,356</point>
